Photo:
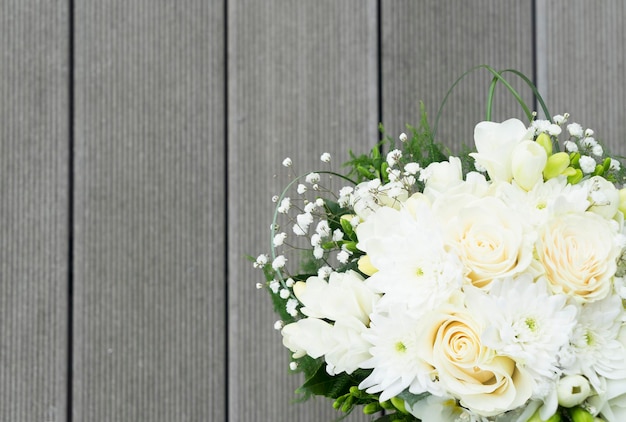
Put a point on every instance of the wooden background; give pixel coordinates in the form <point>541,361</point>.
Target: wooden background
<point>138,146</point>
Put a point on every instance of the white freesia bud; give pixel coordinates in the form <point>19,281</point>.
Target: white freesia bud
<point>528,161</point>
<point>572,390</point>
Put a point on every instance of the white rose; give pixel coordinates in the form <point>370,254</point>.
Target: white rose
<point>495,143</point>
<point>578,253</point>
<point>612,403</point>
<point>529,160</point>
<point>484,382</point>
<point>491,240</point>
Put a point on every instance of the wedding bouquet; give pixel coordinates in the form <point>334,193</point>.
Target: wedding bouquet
<point>484,287</point>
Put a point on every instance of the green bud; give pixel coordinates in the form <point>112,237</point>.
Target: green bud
<point>338,402</point>
<point>383,171</point>
<point>387,405</point>
<point>576,177</point>
<point>574,157</point>
<point>599,171</point>
<point>536,418</point>
<point>365,172</point>
<point>347,404</point>
<point>606,164</point>
<point>545,141</point>
<point>578,414</point>
<point>375,152</point>
<point>351,246</point>
<point>346,226</point>
<point>371,408</point>
<point>557,163</point>
<point>398,403</point>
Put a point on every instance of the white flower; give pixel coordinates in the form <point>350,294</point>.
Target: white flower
<point>343,256</point>
<point>279,262</point>
<point>287,162</point>
<point>278,325</point>
<point>440,409</point>
<point>442,176</point>
<point>525,322</point>
<point>274,286</point>
<point>587,164</point>
<point>450,342</point>
<point>495,143</point>
<point>275,198</point>
<point>412,168</point>
<point>570,146</point>
<point>291,307</point>
<point>345,300</point>
<point>589,142</point>
<point>346,190</point>
<point>575,130</point>
<point>589,132</point>
<point>393,157</point>
<point>337,235</point>
<point>303,221</point>
<point>312,178</point>
<point>396,366</point>
<point>325,157</point>
<point>260,261</point>
<point>527,164</point>
<point>491,240</point>
<point>559,119</point>
<point>572,390</point>
<point>596,348</point>
<point>316,240</point>
<point>597,150</point>
<point>319,202</point>
<point>309,207</point>
<point>279,239</point>
<point>603,195</point>
<point>284,206</point>
<point>284,293</point>
<point>403,137</point>
<point>554,130</point>
<point>578,253</point>
<point>615,165</point>
<point>318,252</point>
<point>289,282</point>
<point>323,229</point>
<point>301,188</point>
<point>324,272</point>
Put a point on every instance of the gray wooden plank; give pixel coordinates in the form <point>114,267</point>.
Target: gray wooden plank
<point>149,317</point>
<point>427,45</point>
<point>584,62</point>
<point>33,210</point>
<point>302,81</point>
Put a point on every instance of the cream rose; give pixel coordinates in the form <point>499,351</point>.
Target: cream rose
<point>484,382</point>
<point>578,253</point>
<point>491,240</point>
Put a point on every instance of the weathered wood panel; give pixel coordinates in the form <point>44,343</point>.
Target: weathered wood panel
<point>34,208</point>
<point>302,81</point>
<point>149,316</point>
<point>427,45</point>
<point>582,64</point>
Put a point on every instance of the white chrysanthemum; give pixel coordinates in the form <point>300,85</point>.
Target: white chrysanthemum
<point>525,322</point>
<point>587,164</point>
<point>396,366</point>
<point>596,349</point>
<point>407,248</point>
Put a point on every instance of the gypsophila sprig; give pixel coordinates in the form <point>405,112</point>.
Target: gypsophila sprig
<point>483,287</point>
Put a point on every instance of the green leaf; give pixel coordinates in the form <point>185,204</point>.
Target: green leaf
<point>411,398</point>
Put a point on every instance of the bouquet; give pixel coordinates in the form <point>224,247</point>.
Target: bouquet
<point>487,286</point>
